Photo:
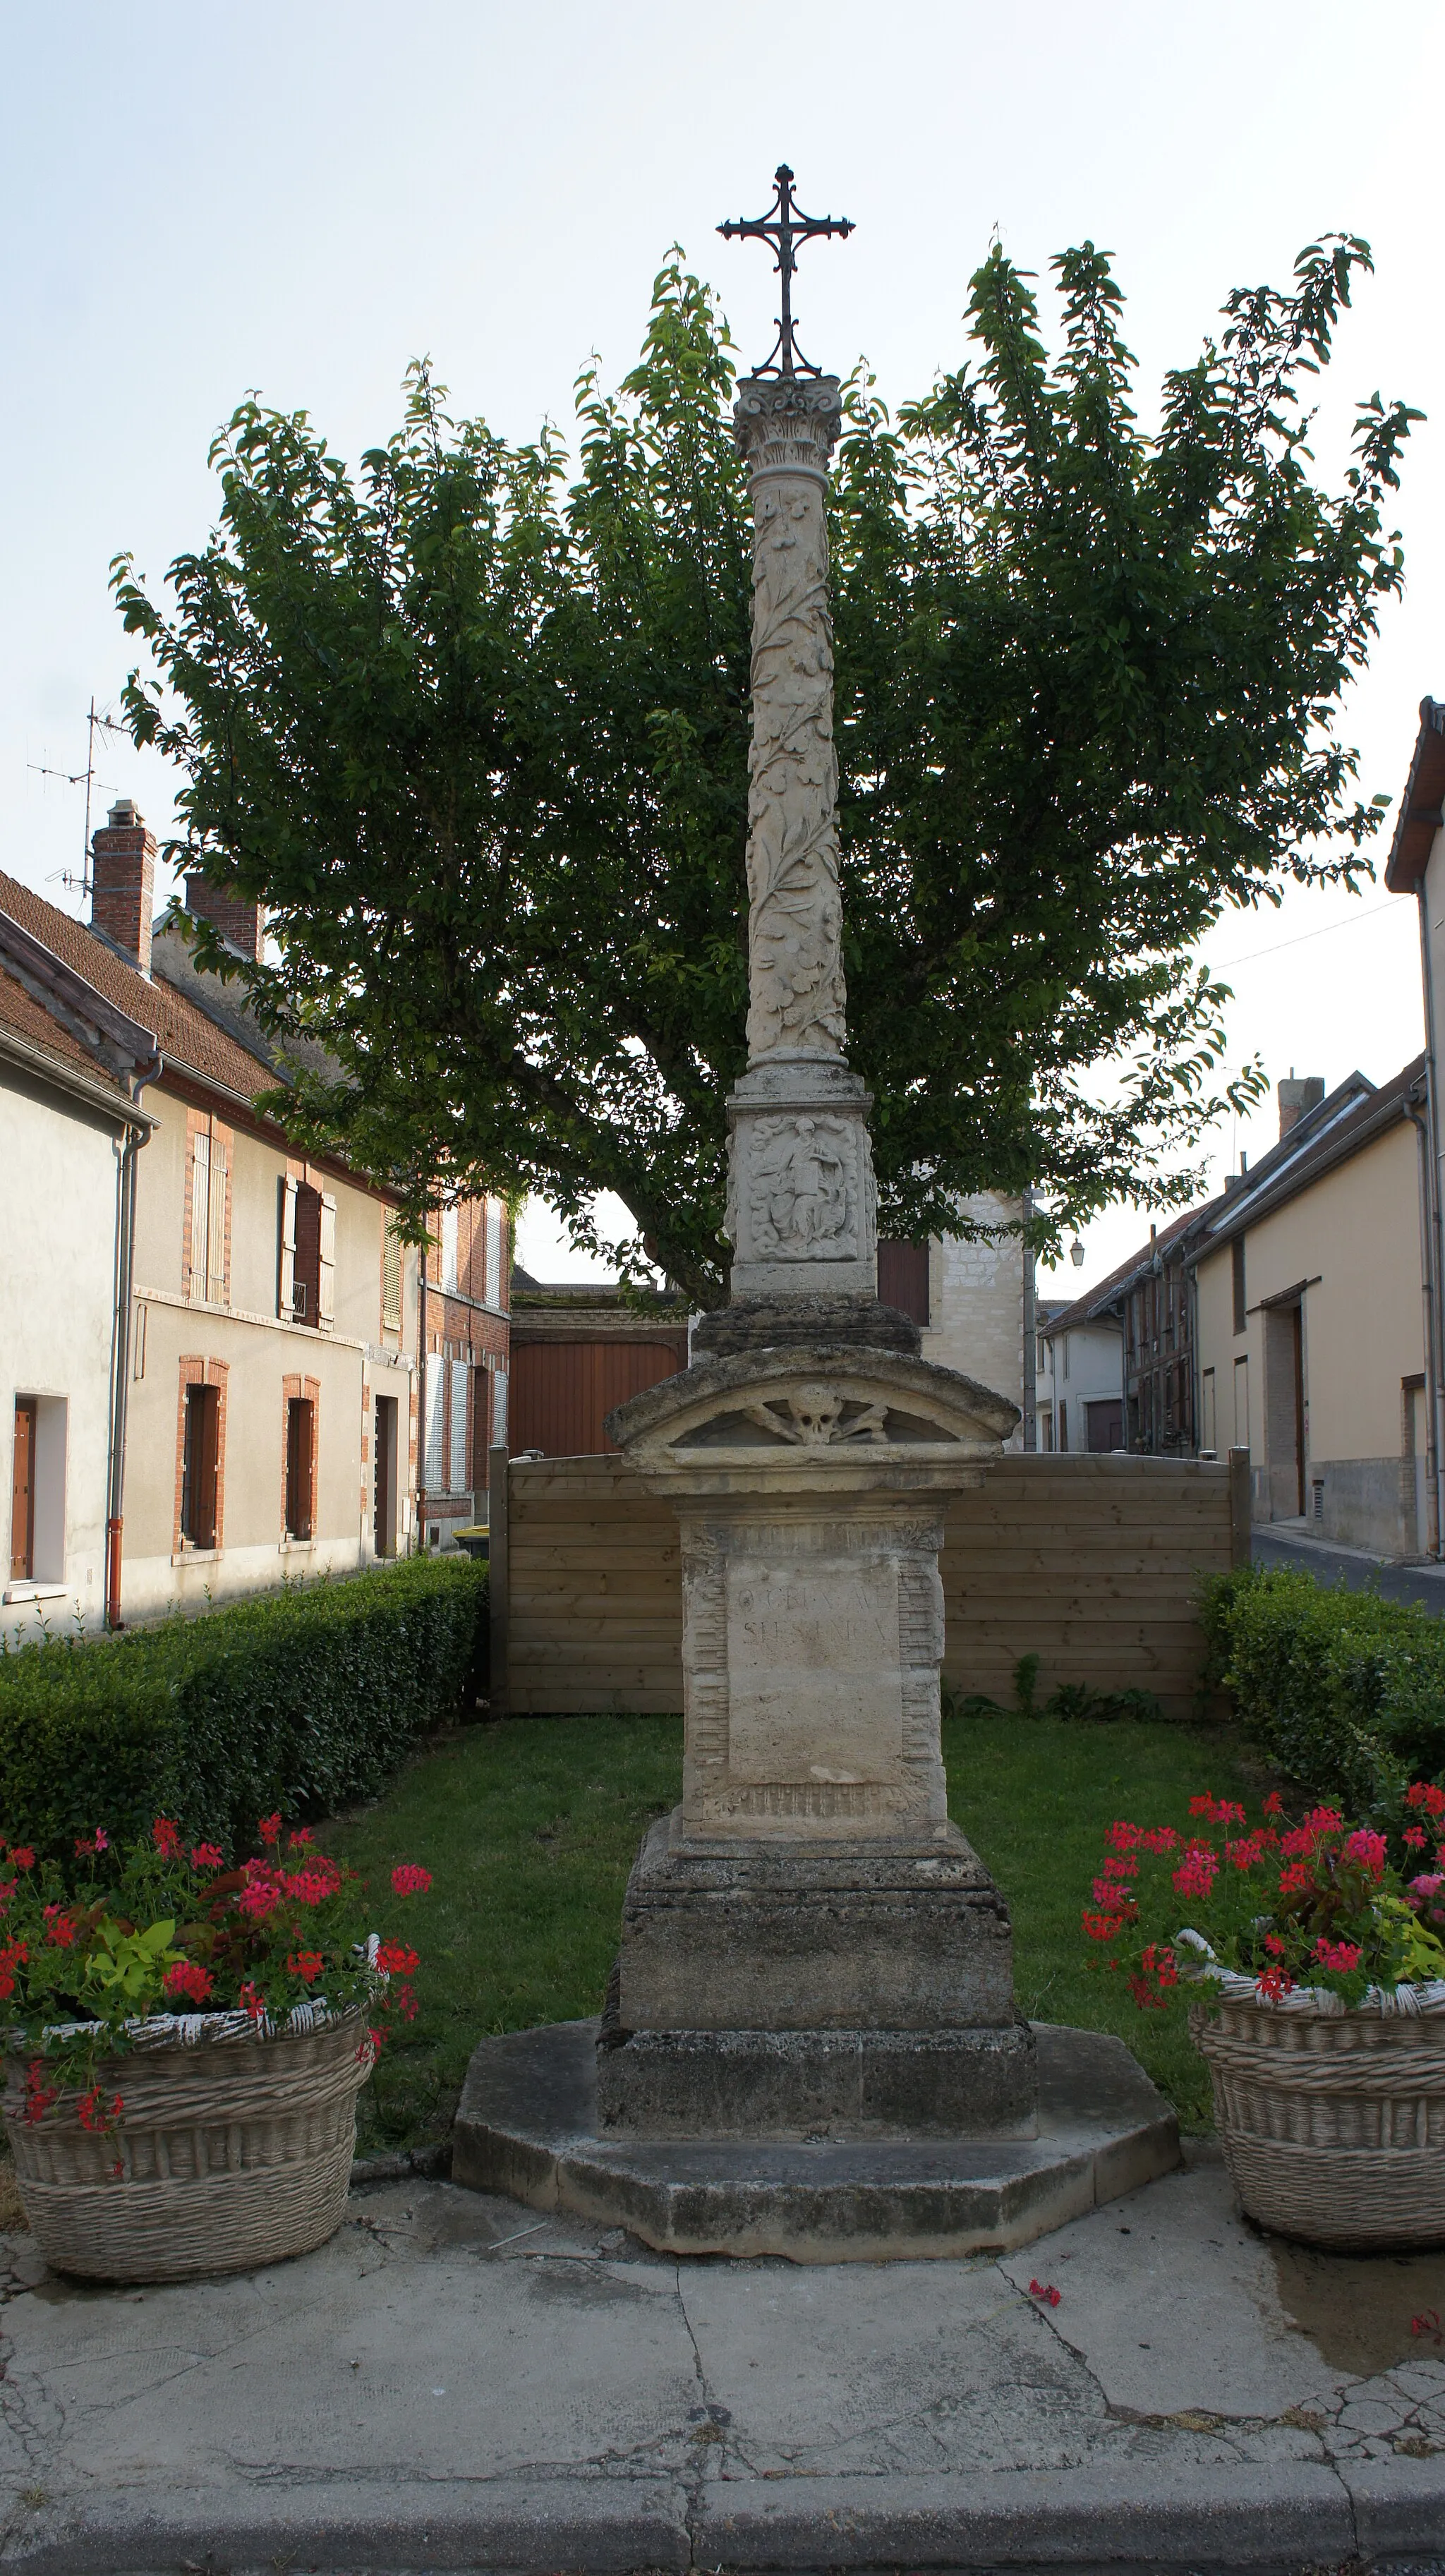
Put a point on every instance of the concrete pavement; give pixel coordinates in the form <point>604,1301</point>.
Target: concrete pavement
<point>456,2381</point>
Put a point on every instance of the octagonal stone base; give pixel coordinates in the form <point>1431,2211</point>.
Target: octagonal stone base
<point>527,2125</point>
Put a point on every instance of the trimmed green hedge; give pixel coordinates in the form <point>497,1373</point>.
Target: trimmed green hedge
<point>302,1699</point>
<point>1343,1690</point>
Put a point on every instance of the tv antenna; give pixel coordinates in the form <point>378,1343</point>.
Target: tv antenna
<point>72,778</point>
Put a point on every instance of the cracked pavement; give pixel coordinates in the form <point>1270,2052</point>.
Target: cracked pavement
<point>454,2374</point>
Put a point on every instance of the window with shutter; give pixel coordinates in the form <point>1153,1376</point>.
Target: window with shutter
<point>391,1279</point>
<point>449,1250</point>
<point>286,1273</point>
<point>199,1284</point>
<point>494,1252</point>
<point>460,1376</point>
<point>435,1478</point>
<point>217,1283</point>
<point>499,1405</point>
<point>326,1265</point>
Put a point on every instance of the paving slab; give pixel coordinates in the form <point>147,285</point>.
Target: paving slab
<point>459,2381</point>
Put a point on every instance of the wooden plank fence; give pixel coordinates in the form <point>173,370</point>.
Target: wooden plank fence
<point>1091,1563</point>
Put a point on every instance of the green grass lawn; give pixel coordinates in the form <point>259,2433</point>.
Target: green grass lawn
<point>530,1826</point>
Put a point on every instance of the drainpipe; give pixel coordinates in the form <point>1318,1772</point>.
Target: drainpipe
<point>1435,1246</point>
<point>421,1402</point>
<point>1428,1290</point>
<point>120,1349</point>
<point>1031,1310</point>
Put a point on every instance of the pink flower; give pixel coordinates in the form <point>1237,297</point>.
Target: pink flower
<point>1428,1885</point>
<point>1107,1892</point>
<point>258,1899</point>
<point>269,1828</point>
<point>1045,2290</point>
<point>207,1856</point>
<point>410,1879</point>
<point>1369,1849</point>
<point>166,1837</point>
<point>1123,1837</point>
<point>1197,1871</point>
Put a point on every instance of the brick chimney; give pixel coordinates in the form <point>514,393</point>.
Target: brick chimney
<point>123,881</point>
<point>1295,1097</point>
<point>240,923</point>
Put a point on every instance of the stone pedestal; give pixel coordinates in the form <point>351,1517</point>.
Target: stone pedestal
<point>809,1947</point>
<point>786,1993</point>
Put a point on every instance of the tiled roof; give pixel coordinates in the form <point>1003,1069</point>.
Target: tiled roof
<point>1089,1308</point>
<point>185,1036</point>
<point>30,1020</point>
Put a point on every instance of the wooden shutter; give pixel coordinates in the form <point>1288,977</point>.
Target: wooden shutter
<point>435,1449</point>
<point>391,1278</point>
<point>199,1284</point>
<point>217,1284</point>
<point>460,1376</point>
<point>286,1276</point>
<point>326,1286</point>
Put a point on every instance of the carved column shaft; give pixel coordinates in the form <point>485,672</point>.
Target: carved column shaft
<point>797,995</point>
<point>800,1174</point>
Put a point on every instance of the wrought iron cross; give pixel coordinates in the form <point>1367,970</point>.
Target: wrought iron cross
<point>782,225</point>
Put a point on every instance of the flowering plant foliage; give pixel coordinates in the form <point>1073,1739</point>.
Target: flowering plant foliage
<point>1321,1903</point>
<point>89,1952</point>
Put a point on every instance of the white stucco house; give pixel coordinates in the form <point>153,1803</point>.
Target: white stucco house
<point>73,1067</point>
<point>1080,1375</point>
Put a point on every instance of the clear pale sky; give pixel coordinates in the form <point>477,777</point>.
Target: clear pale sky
<point>197,201</point>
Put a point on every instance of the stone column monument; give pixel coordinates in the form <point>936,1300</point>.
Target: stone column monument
<point>810,2043</point>
<point>809,1947</point>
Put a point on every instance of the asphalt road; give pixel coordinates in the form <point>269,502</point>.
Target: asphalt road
<point>1355,1570</point>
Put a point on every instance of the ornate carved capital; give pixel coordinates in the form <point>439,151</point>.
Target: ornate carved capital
<point>787,424</point>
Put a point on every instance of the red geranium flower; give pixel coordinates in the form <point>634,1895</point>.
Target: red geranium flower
<point>207,1856</point>
<point>410,1879</point>
<point>395,1960</point>
<point>187,1978</point>
<point>269,1828</point>
<point>166,1837</point>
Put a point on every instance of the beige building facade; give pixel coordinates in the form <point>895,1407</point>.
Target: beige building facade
<point>1311,1321</point>
<point>980,1306</point>
<point>258,1348</point>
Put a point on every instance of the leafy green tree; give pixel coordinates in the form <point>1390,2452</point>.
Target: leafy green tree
<point>473,722</point>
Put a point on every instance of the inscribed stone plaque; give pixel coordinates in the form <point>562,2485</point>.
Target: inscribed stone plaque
<point>815,1684</point>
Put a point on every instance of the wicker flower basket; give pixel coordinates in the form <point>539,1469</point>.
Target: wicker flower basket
<point>234,2149</point>
<point>1333,2122</point>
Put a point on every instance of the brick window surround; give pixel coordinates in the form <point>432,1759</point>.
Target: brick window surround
<point>196,1371</point>
<point>300,1390</point>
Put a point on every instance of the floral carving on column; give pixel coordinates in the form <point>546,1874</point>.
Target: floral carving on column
<point>797,995</point>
